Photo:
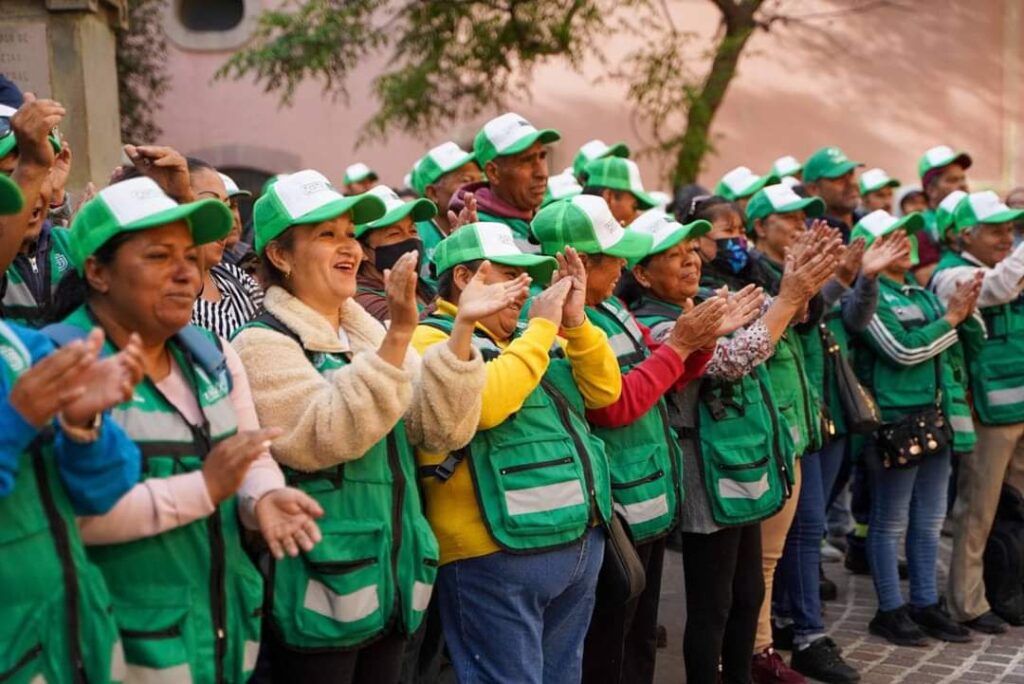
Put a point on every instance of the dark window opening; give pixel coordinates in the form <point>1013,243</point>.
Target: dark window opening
<point>210,15</point>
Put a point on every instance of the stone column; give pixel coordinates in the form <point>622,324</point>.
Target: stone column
<point>64,49</point>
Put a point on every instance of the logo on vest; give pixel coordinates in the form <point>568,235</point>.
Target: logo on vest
<point>15,361</point>
<point>61,262</point>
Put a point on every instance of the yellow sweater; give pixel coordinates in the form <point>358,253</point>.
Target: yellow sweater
<point>452,507</point>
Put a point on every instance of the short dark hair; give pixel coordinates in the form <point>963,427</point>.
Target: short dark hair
<point>446,280</point>
<point>196,164</point>
<point>708,208</point>
<point>73,289</point>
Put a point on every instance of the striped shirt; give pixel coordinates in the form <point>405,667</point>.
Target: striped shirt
<point>241,298</point>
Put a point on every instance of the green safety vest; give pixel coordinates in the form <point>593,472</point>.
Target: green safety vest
<point>541,477</point>
<point>187,601</point>
<point>520,231</point>
<point>56,623</point>
<point>745,450</point>
<point>20,304</point>
<point>431,236</point>
<point>644,456</point>
<point>375,567</point>
<point>996,374</point>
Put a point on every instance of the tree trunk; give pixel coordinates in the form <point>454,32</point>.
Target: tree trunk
<point>739,26</point>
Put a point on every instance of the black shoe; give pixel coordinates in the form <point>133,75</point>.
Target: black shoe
<point>782,636</point>
<point>827,588</point>
<point>822,661</point>
<point>896,627</point>
<point>987,623</point>
<point>856,560</point>
<point>938,625</point>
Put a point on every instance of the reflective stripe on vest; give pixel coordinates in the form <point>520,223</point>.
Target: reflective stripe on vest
<point>735,489</point>
<point>1005,397</point>
<point>545,498</point>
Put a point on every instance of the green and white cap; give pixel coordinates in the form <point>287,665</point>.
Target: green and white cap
<point>562,186</point>
<point>880,223</point>
<point>11,199</point>
<point>828,162</point>
<point>138,204</point>
<point>875,179</point>
<point>586,223</point>
<point>661,199</point>
<point>983,208</point>
<point>945,213</point>
<point>781,199</point>
<point>494,242</point>
<point>307,197</point>
<point>508,134</point>
<point>8,142</point>
<point>440,160</point>
<point>358,172</point>
<point>396,209</point>
<point>232,186</point>
<point>742,182</point>
<point>596,149</point>
<point>786,166</point>
<point>939,156</point>
<point>665,231</point>
<point>620,174</point>
<point>269,183</point>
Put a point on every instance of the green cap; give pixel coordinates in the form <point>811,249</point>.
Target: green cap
<point>742,182</point>
<point>875,179</point>
<point>358,172</point>
<point>983,208</point>
<point>396,209</point>
<point>11,199</point>
<point>665,231</point>
<point>562,186</point>
<point>232,187</point>
<point>440,160</point>
<point>494,242</point>
<point>940,156</point>
<point>586,223</point>
<point>786,166</point>
<point>828,162</point>
<point>307,197</point>
<point>781,199</point>
<point>596,149</point>
<point>8,141</point>
<point>138,204</point>
<point>506,135</point>
<point>880,223</point>
<point>269,183</point>
<point>945,213</point>
<point>620,174</point>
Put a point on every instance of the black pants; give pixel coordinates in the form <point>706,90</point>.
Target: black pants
<point>424,658</point>
<point>724,591</point>
<point>377,663</point>
<point>622,642</point>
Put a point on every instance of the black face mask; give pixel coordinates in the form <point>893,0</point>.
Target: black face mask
<point>384,257</point>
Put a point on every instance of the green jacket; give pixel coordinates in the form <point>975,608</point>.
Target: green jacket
<point>31,282</point>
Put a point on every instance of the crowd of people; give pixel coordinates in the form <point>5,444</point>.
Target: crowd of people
<point>378,432</point>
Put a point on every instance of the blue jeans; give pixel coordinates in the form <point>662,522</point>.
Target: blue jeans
<point>912,500</point>
<point>798,572</point>
<point>512,618</point>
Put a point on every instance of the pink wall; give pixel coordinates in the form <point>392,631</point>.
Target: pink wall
<point>884,85</point>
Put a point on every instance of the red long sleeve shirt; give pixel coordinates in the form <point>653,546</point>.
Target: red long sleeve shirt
<point>646,383</point>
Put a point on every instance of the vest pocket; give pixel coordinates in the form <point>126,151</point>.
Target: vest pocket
<point>158,643</point>
<point>739,477</point>
<point>540,486</point>
<point>342,585</point>
<point>425,557</point>
<point>249,592</point>
<point>999,396</point>
<point>641,488</point>
<point>21,658</point>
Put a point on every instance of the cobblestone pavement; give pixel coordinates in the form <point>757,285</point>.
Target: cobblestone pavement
<point>990,659</point>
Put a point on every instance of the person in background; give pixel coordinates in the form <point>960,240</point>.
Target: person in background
<point>942,170</point>
<point>561,186</point>
<point>910,200</point>
<point>902,359</point>
<point>514,157</point>
<point>230,297</point>
<point>788,166</point>
<point>740,184</point>
<point>1015,200</point>
<point>984,227</point>
<point>437,175</point>
<point>593,150</point>
<point>876,191</point>
<point>235,250</point>
<point>617,181</point>
<point>829,175</point>
<point>384,241</point>
<point>358,179</point>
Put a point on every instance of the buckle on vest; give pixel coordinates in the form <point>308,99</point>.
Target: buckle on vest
<point>444,470</point>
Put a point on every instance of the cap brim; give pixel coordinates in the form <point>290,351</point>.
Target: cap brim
<point>545,136</point>
<point>209,220</point>
<point>911,223</point>
<point>421,209</point>
<point>364,209</point>
<point>812,206</point>
<point>11,199</point>
<point>963,159</point>
<point>240,193</point>
<point>369,175</point>
<point>617,150</point>
<point>1003,217</point>
<point>537,266</point>
<point>632,247</point>
<point>687,232</point>
<point>891,183</point>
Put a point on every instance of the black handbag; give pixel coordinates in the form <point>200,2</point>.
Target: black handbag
<point>902,444</point>
<point>622,576</point>
<point>859,408</point>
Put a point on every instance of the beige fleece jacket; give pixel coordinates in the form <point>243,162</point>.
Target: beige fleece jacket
<point>337,417</point>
